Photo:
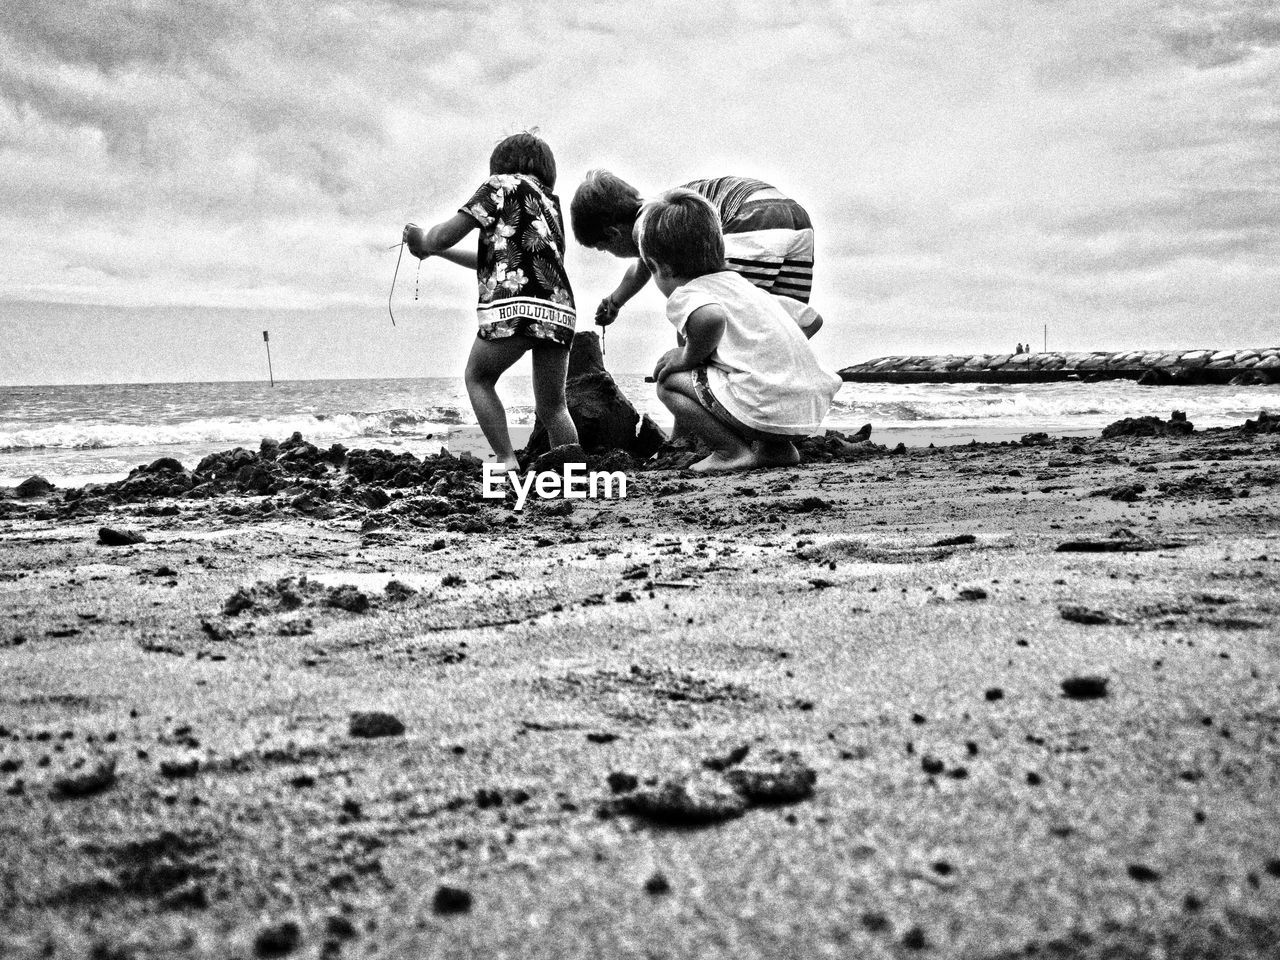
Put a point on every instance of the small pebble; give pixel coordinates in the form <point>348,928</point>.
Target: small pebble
<point>657,885</point>
<point>277,940</point>
<point>451,900</point>
<point>179,769</point>
<point>110,537</point>
<point>698,800</point>
<point>621,782</point>
<point>789,785</point>
<point>339,927</point>
<point>94,777</point>
<point>375,723</point>
<point>876,922</point>
<point>914,939</point>
<point>1142,873</point>
<point>1085,687</point>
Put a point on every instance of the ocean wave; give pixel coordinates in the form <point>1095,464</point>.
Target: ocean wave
<point>94,435</point>
<point>949,403</point>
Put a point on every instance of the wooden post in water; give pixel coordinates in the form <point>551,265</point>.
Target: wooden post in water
<point>267,340</point>
<point>1046,338</point>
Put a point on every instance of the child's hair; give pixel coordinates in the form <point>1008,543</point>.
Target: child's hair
<point>524,153</point>
<point>603,200</point>
<point>682,232</point>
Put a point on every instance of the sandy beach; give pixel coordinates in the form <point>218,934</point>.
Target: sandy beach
<point>794,713</point>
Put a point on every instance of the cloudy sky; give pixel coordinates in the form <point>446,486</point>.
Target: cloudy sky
<point>176,176</point>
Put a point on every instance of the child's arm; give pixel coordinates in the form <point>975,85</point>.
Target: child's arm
<point>440,239</point>
<point>702,331</point>
<point>633,282</point>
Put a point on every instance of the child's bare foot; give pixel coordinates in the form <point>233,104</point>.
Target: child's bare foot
<point>510,465</point>
<point>780,454</point>
<point>719,462</point>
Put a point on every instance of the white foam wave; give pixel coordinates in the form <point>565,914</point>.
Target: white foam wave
<point>1058,404</point>
<point>97,435</point>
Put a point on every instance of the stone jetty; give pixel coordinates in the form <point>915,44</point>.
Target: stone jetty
<point>1153,367</point>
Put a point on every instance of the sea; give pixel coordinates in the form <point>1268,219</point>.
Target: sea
<point>73,435</point>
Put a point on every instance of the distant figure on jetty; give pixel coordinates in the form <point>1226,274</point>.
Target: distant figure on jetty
<point>745,379</point>
<point>768,238</point>
<point>1019,350</point>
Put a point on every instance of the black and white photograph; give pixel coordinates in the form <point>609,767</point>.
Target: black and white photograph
<point>576,481</point>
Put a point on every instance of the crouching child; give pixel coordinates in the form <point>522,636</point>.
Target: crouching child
<point>744,378</point>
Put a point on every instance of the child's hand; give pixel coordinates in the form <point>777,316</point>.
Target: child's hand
<point>607,312</point>
<point>412,237</point>
<point>671,362</point>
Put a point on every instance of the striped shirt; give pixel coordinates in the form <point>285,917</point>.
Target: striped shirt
<point>768,237</point>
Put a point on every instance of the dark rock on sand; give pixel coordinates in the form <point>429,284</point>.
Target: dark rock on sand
<point>238,602</point>
<point>657,884</point>
<point>1266,423</point>
<point>398,592</point>
<point>696,801</point>
<point>790,784</point>
<point>375,723</point>
<point>375,498</point>
<point>346,597</point>
<point>277,939</point>
<point>111,537</point>
<point>915,939</point>
<point>834,446</point>
<point>93,777</point>
<point>621,782</point>
<point>339,927</point>
<point>1075,613</point>
<point>1114,545</point>
<point>451,900</point>
<point>32,487</point>
<point>179,769</point>
<point>1176,425</point>
<point>1124,492</point>
<point>1085,687</point>
<point>188,896</point>
<point>727,760</point>
<point>164,465</point>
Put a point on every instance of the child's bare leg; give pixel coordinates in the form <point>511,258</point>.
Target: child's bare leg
<point>550,363</point>
<point>489,360</point>
<point>730,451</point>
<point>776,453</point>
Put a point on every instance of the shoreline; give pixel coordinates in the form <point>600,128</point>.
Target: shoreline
<point>794,712</point>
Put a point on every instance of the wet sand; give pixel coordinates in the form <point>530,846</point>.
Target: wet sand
<point>892,634</point>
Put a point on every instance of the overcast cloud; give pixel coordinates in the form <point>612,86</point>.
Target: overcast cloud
<point>974,169</point>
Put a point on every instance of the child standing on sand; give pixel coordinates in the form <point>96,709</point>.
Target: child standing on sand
<point>526,304</point>
<point>744,379</point>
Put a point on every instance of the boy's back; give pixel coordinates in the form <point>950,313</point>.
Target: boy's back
<point>763,370</point>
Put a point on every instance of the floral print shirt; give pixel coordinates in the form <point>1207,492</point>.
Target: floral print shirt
<point>520,267</point>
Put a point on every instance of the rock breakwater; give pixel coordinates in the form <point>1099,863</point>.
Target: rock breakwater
<point>1255,366</point>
